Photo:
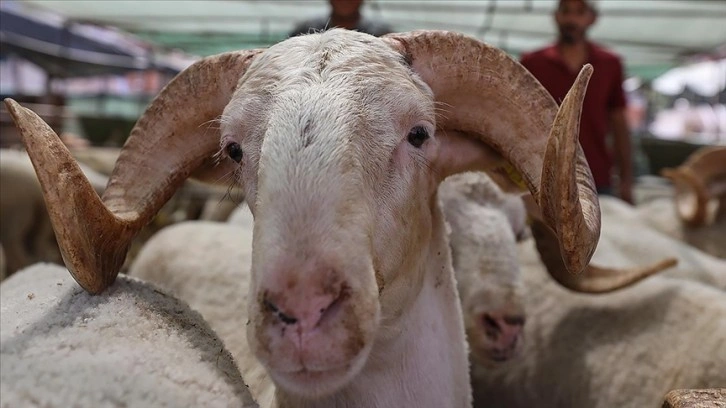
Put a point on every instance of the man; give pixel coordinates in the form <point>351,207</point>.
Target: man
<point>344,14</point>
<point>557,66</point>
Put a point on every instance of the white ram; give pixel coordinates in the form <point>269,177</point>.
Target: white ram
<point>339,141</point>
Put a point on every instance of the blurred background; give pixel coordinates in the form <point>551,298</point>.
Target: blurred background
<point>89,68</point>
<point>93,66</point>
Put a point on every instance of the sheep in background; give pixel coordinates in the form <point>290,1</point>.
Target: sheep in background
<point>627,231</point>
<point>25,227</point>
<point>624,348</point>
<point>131,346</point>
<point>700,186</point>
<point>349,239</point>
<point>194,200</point>
<point>660,213</point>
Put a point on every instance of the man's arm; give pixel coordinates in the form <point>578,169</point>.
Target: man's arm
<point>623,153</point>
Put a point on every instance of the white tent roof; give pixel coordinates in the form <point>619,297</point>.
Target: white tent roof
<point>653,34</point>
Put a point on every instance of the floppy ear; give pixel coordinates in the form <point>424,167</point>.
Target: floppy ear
<point>494,101</point>
<point>170,142</point>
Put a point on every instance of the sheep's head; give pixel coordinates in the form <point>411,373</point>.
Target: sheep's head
<point>339,140</point>
<point>484,255</point>
<point>484,227</point>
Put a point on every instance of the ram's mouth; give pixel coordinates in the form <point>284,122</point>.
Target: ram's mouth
<point>313,383</point>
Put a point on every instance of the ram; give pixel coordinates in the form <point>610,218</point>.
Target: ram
<point>339,141</point>
<point>485,224</point>
<point>622,348</point>
<point>131,346</point>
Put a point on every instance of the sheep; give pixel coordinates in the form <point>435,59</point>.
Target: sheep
<point>131,346</point>
<point>624,348</point>
<point>25,228</point>
<point>490,287</point>
<point>700,186</point>
<point>627,231</point>
<point>339,140</point>
<point>659,214</point>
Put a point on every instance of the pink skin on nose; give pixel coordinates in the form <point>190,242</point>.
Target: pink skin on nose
<point>504,331</point>
<point>301,304</point>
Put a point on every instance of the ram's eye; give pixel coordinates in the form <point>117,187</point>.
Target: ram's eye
<point>417,136</point>
<point>234,151</point>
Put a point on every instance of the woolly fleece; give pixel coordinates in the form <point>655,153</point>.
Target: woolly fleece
<point>132,346</point>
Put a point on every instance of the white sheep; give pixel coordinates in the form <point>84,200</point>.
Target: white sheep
<point>339,141</point>
<point>659,213</point>
<point>131,346</point>
<point>628,232</point>
<point>624,348</point>
<point>25,228</point>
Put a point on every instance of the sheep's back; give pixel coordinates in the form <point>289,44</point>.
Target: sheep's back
<point>130,346</point>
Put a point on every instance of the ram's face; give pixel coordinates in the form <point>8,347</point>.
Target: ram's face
<point>334,141</point>
<point>484,255</point>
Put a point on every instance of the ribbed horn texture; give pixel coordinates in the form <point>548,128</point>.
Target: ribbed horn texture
<point>492,96</point>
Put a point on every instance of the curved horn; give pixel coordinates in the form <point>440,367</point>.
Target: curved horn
<point>169,142</point>
<point>594,279</point>
<point>496,98</point>
<point>699,179</point>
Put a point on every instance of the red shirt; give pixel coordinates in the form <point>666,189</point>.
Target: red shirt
<point>604,94</point>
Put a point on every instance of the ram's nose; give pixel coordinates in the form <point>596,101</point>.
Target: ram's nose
<point>304,298</point>
<point>304,310</point>
<point>504,332</point>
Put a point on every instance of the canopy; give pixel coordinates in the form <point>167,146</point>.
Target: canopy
<point>705,78</point>
<point>652,36</point>
<point>65,49</point>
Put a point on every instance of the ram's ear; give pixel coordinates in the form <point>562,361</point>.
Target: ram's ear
<point>460,152</point>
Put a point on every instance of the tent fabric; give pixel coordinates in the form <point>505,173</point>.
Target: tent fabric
<point>652,36</point>
<point>65,49</point>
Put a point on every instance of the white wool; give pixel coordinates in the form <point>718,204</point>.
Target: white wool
<point>242,216</point>
<point>130,346</point>
<point>660,214</point>
<point>626,348</point>
<point>627,239</point>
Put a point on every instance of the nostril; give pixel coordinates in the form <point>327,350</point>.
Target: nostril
<point>330,310</point>
<point>497,325</point>
<point>514,320</point>
<point>287,319</point>
<point>491,326</point>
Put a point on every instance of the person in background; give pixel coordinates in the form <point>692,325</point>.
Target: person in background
<point>344,14</point>
<point>556,67</point>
